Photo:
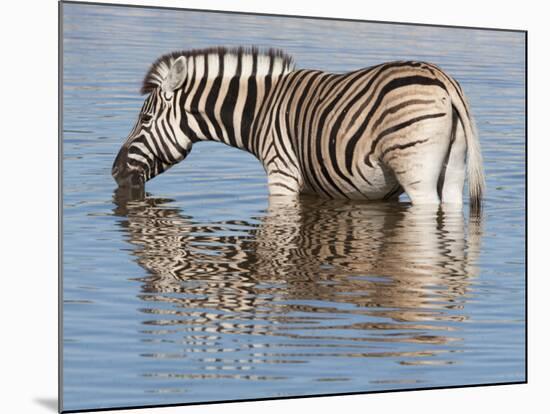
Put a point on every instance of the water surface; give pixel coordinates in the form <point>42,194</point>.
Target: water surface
<point>208,290</point>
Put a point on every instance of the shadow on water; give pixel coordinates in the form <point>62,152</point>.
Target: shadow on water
<point>321,274</point>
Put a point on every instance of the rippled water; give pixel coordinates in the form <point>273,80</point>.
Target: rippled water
<point>208,290</point>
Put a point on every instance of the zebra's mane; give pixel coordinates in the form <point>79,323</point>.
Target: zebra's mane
<point>270,61</point>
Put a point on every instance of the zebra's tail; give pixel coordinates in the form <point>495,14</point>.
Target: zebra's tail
<point>476,179</point>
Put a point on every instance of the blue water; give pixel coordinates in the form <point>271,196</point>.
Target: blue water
<point>207,290</point>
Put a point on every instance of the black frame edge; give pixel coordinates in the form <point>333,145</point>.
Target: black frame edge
<point>526,119</point>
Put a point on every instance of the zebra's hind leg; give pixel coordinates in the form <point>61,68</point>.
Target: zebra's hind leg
<point>417,157</point>
<point>451,180</point>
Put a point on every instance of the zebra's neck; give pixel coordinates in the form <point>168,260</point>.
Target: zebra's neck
<point>225,92</point>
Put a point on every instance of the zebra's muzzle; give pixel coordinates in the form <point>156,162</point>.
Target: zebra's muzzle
<point>130,180</point>
<point>123,174</point>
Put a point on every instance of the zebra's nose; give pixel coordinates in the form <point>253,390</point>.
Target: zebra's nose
<point>124,175</point>
<point>120,164</point>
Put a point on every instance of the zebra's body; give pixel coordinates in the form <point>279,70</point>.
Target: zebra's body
<point>368,134</point>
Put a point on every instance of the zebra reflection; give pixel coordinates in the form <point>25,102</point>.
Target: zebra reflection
<point>303,265</point>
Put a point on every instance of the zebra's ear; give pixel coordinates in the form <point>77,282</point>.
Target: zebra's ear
<point>176,76</point>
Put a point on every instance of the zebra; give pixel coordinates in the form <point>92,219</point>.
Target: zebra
<point>369,134</point>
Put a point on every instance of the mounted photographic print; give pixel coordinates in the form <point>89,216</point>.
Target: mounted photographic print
<point>262,206</point>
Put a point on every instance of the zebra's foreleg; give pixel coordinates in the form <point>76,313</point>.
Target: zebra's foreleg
<point>283,181</point>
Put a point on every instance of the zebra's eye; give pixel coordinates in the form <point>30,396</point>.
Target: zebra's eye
<point>146,118</point>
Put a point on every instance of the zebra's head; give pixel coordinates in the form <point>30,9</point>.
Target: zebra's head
<point>156,142</point>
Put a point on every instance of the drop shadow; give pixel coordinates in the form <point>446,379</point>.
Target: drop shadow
<point>49,403</point>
